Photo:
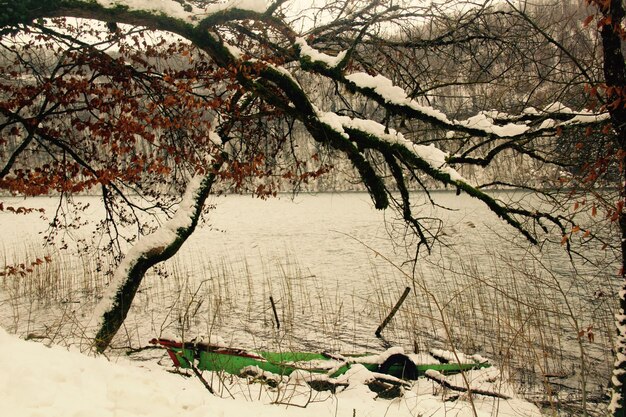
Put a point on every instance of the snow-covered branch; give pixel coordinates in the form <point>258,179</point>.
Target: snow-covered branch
<point>147,252</point>
<point>394,99</point>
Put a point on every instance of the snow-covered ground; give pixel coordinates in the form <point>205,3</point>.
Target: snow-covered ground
<point>53,382</point>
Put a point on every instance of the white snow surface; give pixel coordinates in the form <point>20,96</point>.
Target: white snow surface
<point>557,107</point>
<point>258,6</point>
<point>54,381</point>
<point>382,357</point>
<point>451,356</point>
<point>234,50</point>
<point>315,55</point>
<point>547,124</point>
<point>585,117</point>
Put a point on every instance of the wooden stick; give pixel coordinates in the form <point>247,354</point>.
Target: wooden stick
<point>200,377</point>
<point>275,313</point>
<point>393,312</point>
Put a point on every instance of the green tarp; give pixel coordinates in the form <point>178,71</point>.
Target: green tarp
<point>234,361</point>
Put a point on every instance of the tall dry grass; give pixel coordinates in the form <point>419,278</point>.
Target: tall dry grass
<point>550,336</point>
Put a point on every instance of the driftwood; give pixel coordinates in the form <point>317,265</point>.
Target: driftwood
<point>439,378</point>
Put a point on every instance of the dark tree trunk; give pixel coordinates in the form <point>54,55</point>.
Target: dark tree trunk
<point>615,78</point>
<point>148,252</point>
<point>619,368</point>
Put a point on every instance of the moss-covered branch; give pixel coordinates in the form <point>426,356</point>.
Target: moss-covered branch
<point>145,254</point>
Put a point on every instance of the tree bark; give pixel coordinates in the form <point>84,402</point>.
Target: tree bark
<point>615,79</point>
<point>147,252</point>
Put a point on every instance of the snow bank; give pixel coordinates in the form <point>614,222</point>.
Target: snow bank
<point>41,381</point>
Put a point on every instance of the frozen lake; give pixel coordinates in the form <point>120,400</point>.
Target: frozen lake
<point>329,263</point>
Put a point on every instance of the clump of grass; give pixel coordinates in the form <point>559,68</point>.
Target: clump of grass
<point>41,299</point>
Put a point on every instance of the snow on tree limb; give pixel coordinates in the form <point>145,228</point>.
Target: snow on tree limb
<point>430,154</point>
<point>187,11</point>
<point>317,56</point>
<point>392,94</point>
<point>389,95</point>
<point>177,10</point>
<point>177,16</point>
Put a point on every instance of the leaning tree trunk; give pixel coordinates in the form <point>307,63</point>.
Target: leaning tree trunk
<point>612,14</point>
<point>618,380</point>
<point>147,252</point>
